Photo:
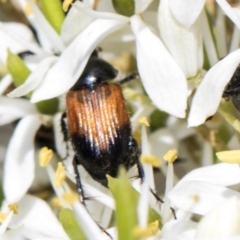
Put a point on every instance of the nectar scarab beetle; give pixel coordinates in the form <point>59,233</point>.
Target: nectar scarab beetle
<point>98,123</point>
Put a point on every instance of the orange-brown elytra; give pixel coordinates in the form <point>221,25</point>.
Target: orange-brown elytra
<point>99,126</point>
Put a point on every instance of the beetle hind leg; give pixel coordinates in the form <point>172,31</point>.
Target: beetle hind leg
<point>78,181</point>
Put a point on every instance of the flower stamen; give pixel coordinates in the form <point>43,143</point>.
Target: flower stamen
<point>143,120</point>
<point>13,207</point>
<point>45,155</point>
<point>60,175</point>
<point>170,156</point>
<point>150,159</point>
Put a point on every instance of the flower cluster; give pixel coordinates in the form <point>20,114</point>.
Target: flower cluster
<point>185,53</point>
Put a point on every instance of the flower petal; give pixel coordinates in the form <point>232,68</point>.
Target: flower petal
<point>199,197</point>
<point>185,45</point>
<point>186,12</point>
<point>14,234</point>
<point>163,80</point>
<point>4,83</point>
<point>222,174</point>
<point>34,78</point>
<point>5,223</point>
<point>20,163</point>
<point>141,5</point>
<point>90,228</point>
<point>13,109</point>
<point>18,38</point>
<point>222,221</point>
<point>209,93</point>
<point>38,219</point>
<point>69,30</point>
<point>231,12</point>
<point>73,60</point>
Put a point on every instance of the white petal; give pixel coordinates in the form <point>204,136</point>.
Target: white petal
<point>14,234</point>
<point>38,219</point>
<point>185,45</point>
<point>70,30</point>
<point>163,80</point>
<point>222,221</point>
<point>12,109</point>
<point>10,33</point>
<point>49,39</point>
<point>5,223</point>
<point>73,60</point>
<point>90,228</point>
<point>20,163</point>
<point>4,83</point>
<point>209,93</point>
<point>102,15</point>
<point>231,12</point>
<point>186,12</point>
<point>34,78</point>
<point>199,197</point>
<point>223,174</point>
<point>141,5</point>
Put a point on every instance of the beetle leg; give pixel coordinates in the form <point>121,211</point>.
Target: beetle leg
<point>129,78</point>
<point>65,133</point>
<point>78,180</point>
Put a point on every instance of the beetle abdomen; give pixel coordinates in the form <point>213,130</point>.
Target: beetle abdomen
<point>99,126</point>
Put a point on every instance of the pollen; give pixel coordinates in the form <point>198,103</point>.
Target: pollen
<point>56,203</point>
<point>229,156</point>
<point>60,175</point>
<point>143,120</point>
<point>150,230</point>
<point>170,156</point>
<point>70,197</point>
<point>45,155</point>
<point>2,216</point>
<point>66,5</point>
<point>28,9</point>
<point>195,198</point>
<point>150,159</point>
<point>13,207</point>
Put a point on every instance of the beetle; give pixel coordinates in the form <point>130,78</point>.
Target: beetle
<point>232,90</point>
<point>98,123</point>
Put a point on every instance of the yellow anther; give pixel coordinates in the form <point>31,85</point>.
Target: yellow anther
<point>2,217</point>
<point>154,227</point>
<point>66,4</point>
<point>229,156</point>
<point>45,155</point>
<point>70,197</point>
<point>170,156</point>
<point>56,203</point>
<point>196,198</point>
<point>28,9</point>
<point>150,159</point>
<point>13,207</point>
<point>59,175</point>
<point>149,231</point>
<point>143,120</point>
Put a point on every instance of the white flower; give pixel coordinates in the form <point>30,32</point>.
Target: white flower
<point>181,31</point>
<point>200,192</point>
<point>163,80</point>
<point>34,220</point>
<point>222,222</point>
<point>209,93</point>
